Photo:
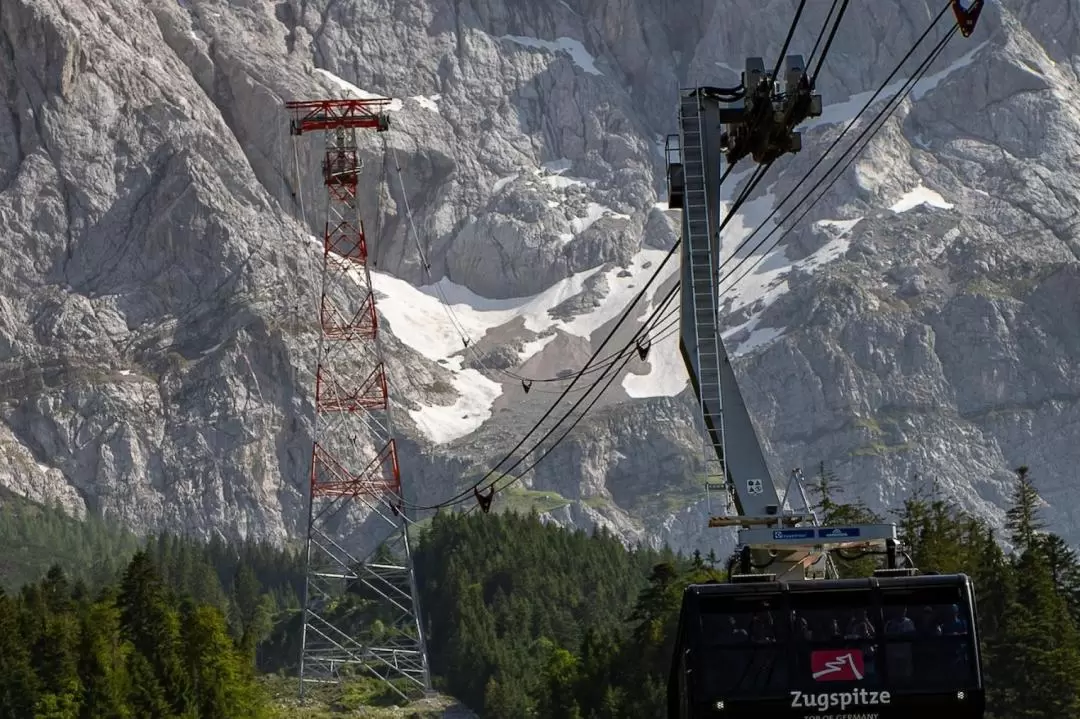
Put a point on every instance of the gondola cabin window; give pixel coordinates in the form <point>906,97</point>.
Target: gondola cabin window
<point>837,635</point>
<point>928,638</point>
<point>744,644</point>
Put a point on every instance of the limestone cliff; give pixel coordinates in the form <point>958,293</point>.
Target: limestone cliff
<point>158,280</point>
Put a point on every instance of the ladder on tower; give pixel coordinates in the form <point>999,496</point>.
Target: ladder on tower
<point>703,270</point>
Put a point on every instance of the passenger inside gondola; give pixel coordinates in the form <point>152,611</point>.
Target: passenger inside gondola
<point>743,647</point>
<point>754,645</point>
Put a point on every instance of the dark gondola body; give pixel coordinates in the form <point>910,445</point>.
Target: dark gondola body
<point>875,648</point>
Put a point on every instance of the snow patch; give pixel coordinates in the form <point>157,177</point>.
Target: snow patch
<point>660,146</point>
<point>736,240</point>
<point>759,337</point>
<point>842,227</point>
<point>725,66</point>
<point>557,182</point>
<point>445,423</point>
<point>920,196</point>
<point>551,174</point>
<point>418,318</point>
<point>534,347</point>
<point>593,213</point>
<point>348,88</point>
<point>558,166</point>
<point>845,112</point>
<point>428,102</point>
<point>766,284</point>
<point>761,286</point>
<point>503,182</point>
<point>622,290</point>
<point>667,374</point>
<point>577,51</point>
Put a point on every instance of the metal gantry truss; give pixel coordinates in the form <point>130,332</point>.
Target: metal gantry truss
<point>361,610</point>
<point>718,127</point>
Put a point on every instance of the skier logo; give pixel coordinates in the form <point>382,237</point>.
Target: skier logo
<point>837,665</point>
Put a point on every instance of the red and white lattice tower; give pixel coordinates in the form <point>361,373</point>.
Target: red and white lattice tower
<point>361,611</point>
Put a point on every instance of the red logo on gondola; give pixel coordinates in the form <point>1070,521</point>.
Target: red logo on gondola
<point>837,665</point>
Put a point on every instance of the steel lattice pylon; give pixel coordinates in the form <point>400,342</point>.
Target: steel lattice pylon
<point>361,611</point>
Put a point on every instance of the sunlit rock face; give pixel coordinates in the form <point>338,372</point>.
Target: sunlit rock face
<point>157,327</point>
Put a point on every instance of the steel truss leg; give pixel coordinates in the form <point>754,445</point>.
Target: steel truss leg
<point>361,610</point>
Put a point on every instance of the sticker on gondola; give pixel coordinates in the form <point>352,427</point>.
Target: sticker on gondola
<point>837,665</point>
<point>839,533</point>
<point>754,486</point>
<point>780,534</point>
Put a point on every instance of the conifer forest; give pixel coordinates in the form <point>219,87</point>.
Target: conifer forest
<point>524,619</point>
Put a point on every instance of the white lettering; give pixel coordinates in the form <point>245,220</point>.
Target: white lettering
<point>838,700</point>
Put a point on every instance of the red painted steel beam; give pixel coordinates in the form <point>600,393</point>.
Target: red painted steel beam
<point>320,115</point>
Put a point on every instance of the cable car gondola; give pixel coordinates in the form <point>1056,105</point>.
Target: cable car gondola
<point>875,647</point>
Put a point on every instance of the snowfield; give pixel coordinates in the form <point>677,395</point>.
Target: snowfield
<point>434,319</point>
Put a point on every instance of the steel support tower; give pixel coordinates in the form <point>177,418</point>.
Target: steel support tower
<point>361,610</point>
<point>777,530</point>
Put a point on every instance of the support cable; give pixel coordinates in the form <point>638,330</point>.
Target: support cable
<point>828,43</point>
<point>877,121</point>
<point>757,176</point>
<point>444,301</point>
<point>787,40</point>
<point>871,129</point>
<point>821,33</point>
<point>833,145</point>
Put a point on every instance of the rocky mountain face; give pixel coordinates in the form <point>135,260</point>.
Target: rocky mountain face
<point>159,277</point>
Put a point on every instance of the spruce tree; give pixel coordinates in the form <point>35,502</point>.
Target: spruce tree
<point>1022,518</point>
<point>1065,569</point>
<point>19,684</point>
<point>103,662</point>
<point>1038,641</point>
<point>152,625</point>
<point>222,687</point>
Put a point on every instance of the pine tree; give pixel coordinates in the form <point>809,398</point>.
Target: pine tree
<point>825,488</point>
<point>560,670</point>
<point>222,688</point>
<point>1022,517</point>
<point>55,650</point>
<point>995,589</point>
<point>19,684</point>
<point>504,699</point>
<point>152,625</point>
<point>1038,640</point>
<point>147,698</point>
<point>655,605</point>
<point>1065,569</point>
<point>245,592</point>
<point>103,662</point>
